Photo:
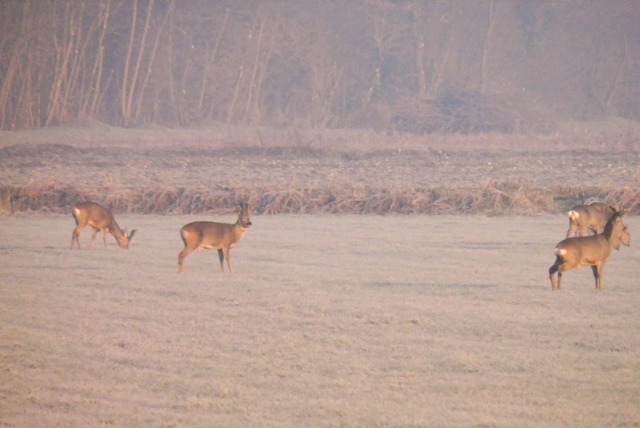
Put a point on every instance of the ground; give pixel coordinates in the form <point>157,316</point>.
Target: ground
<point>326,321</point>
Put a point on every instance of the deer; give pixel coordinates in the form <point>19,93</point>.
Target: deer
<point>594,250</point>
<point>211,235</point>
<point>593,217</point>
<point>100,219</point>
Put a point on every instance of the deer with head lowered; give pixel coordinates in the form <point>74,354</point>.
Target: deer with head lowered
<point>591,251</point>
<point>210,235</point>
<point>593,217</point>
<point>100,219</point>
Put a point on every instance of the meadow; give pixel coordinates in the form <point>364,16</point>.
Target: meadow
<point>327,321</point>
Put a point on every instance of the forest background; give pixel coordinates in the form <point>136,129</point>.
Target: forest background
<point>416,66</point>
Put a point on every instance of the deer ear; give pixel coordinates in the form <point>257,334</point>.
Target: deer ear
<point>133,232</point>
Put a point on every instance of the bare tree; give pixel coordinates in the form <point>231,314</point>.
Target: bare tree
<point>171,62</point>
<point>486,44</point>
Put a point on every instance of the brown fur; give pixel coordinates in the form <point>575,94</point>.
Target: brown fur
<point>100,219</point>
<point>591,251</point>
<point>591,217</point>
<point>210,235</point>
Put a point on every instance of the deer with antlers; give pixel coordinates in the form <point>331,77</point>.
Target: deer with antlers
<point>210,235</point>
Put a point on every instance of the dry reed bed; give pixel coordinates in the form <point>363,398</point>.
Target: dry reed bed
<point>494,197</point>
<point>339,174</point>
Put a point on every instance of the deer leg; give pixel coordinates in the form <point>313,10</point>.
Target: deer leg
<point>555,280</point>
<point>552,276</point>
<point>221,257</point>
<point>227,253</point>
<point>75,236</point>
<point>184,253</point>
<point>572,228</point>
<point>105,232</point>
<point>558,282</point>
<point>559,279</point>
<point>94,232</point>
<point>597,274</point>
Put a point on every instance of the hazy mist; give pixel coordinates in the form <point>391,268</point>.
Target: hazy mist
<point>417,66</point>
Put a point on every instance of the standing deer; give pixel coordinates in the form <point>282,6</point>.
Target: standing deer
<point>209,235</point>
<point>100,219</point>
<point>589,250</point>
<point>593,217</point>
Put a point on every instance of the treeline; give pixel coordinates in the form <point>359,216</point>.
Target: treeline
<point>412,65</point>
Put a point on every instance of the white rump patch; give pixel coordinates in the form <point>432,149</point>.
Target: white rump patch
<point>560,251</point>
<point>573,214</point>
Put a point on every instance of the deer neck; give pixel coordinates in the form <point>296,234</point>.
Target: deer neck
<point>239,229</point>
<point>118,233</point>
<point>612,231</point>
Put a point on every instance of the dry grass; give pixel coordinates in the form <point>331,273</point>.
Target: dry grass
<point>354,321</point>
<point>494,198</point>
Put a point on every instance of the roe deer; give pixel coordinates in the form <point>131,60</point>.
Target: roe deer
<point>209,235</point>
<point>593,216</point>
<point>100,219</point>
<point>589,250</point>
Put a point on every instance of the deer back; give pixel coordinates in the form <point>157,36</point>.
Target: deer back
<point>584,250</point>
<point>213,235</point>
<point>94,215</point>
<point>593,217</point>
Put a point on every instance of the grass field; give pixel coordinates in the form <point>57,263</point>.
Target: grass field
<point>327,321</point>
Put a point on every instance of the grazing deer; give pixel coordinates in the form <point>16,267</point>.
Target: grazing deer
<point>209,235</point>
<point>593,217</point>
<point>589,250</point>
<point>100,219</point>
